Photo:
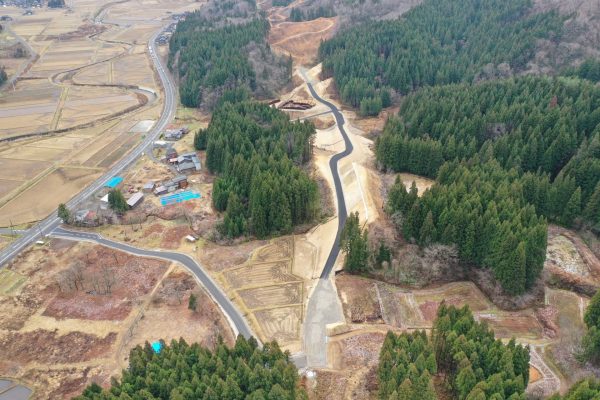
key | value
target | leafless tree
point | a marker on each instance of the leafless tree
(96, 283)
(78, 269)
(108, 280)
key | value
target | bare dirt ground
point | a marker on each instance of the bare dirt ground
(73, 311)
(299, 39)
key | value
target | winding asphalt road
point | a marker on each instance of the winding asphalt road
(236, 320)
(324, 307)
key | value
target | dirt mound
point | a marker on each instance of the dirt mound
(48, 347)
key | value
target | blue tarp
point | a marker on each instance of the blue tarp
(157, 347)
(179, 197)
(113, 182)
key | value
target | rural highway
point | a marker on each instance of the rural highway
(51, 225)
(324, 307)
(47, 225)
(236, 320)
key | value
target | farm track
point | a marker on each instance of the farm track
(65, 79)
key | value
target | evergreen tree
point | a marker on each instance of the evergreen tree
(116, 201)
(592, 209)
(193, 302)
(572, 209)
(354, 244)
(63, 213)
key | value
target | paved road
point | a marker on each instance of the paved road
(324, 307)
(47, 225)
(236, 320)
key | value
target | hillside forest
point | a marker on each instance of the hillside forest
(184, 371)
(211, 57)
(475, 364)
(509, 153)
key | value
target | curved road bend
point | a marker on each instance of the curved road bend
(324, 307)
(236, 320)
(51, 222)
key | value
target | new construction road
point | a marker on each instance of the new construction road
(324, 307)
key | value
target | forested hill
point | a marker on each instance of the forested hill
(258, 153)
(508, 155)
(211, 56)
(438, 42)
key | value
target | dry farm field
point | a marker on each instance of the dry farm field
(63, 92)
(69, 313)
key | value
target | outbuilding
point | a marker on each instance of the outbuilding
(160, 190)
(148, 187)
(135, 199)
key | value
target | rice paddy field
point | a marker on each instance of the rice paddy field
(71, 109)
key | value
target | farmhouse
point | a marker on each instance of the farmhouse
(188, 162)
(175, 134)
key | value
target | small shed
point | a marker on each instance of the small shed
(160, 190)
(135, 199)
(148, 187)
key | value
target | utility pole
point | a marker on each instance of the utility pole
(12, 229)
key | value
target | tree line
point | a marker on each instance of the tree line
(474, 364)
(258, 154)
(435, 43)
(298, 15)
(182, 371)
